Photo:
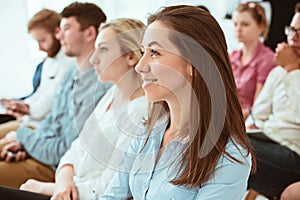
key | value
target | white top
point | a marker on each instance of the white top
(103, 140)
(2, 110)
(41, 101)
(277, 108)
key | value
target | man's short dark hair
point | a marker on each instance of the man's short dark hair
(297, 7)
(87, 14)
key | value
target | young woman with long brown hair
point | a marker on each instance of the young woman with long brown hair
(194, 144)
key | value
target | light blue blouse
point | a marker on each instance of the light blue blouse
(139, 177)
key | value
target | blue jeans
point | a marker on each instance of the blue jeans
(277, 167)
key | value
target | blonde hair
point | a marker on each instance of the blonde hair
(258, 14)
(132, 34)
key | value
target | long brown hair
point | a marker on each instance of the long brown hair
(204, 30)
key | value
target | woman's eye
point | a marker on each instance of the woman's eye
(154, 53)
(245, 24)
(103, 49)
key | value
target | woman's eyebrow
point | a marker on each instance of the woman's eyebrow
(154, 43)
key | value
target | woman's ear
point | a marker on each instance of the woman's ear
(131, 59)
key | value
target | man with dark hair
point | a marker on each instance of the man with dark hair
(39, 151)
(279, 20)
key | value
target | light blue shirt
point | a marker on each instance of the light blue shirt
(140, 178)
(73, 103)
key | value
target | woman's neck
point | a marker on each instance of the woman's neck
(247, 51)
(179, 112)
(249, 48)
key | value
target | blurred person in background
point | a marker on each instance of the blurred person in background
(251, 64)
(28, 153)
(32, 109)
(276, 112)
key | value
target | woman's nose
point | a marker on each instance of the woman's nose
(142, 66)
(93, 59)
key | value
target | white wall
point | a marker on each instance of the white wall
(19, 53)
(17, 66)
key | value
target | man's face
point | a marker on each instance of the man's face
(70, 36)
(46, 41)
(293, 38)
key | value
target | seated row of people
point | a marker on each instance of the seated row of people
(271, 96)
(175, 153)
(118, 115)
(39, 151)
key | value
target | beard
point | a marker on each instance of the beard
(53, 50)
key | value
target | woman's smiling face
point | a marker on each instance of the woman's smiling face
(163, 70)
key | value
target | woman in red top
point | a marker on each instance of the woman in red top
(254, 61)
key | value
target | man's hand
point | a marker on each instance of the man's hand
(17, 108)
(252, 126)
(4, 101)
(286, 57)
(9, 137)
(13, 151)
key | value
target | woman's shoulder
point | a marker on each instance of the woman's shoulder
(265, 50)
(237, 151)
